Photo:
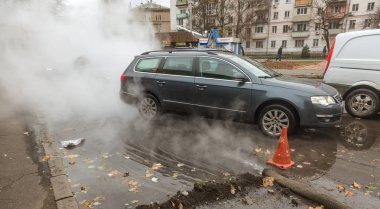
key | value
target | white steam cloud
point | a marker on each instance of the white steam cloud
(65, 58)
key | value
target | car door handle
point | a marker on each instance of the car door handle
(160, 83)
(201, 87)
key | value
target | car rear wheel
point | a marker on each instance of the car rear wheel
(275, 117)
(362, 103)
(149, 107)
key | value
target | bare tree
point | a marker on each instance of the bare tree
(201, 12)
(224, 14)
(376, 18)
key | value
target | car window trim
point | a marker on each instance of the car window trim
(198, 70)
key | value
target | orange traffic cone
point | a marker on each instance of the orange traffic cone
(281, 157)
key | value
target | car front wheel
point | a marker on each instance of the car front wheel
(362, 103)
(149, 107)
(275, 117)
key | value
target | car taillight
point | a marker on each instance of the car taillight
(329, 57)
(123, 78)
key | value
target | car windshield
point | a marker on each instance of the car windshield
(256, 68)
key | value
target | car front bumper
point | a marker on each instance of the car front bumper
(322, 116)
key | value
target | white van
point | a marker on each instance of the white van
(353, 67)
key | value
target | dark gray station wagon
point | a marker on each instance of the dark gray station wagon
(217, 83)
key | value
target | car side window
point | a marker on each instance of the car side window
(148, 65)
(218, 69)
(178, 66)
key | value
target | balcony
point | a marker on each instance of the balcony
(302, 3)
(301, 18)
(182, 16)
(300, 34)
(335, 31)
(182, 3)
(259, 35)
(261, 21)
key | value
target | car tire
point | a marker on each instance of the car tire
(274, 117)
(362, 103)
(149, 107)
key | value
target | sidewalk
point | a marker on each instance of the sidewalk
(317, 74)
(22, 180)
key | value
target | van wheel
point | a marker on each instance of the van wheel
(362, 103)
(149, 107)
(275, 117)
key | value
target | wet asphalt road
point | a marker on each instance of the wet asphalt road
(122, 162)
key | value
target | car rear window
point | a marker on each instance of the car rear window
(178, 66)
(148, 65)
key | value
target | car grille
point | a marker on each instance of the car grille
(338, 98)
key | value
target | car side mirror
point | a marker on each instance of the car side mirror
(241, 78)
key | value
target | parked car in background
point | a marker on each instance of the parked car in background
(218, 83)
(353, 67)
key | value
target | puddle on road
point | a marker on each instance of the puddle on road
(120, 164)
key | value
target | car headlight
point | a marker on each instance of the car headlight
(323, 100)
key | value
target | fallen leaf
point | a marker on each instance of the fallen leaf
(91, 166)
(134, 201)
(72, 156)
(268, 181)
(99, 198)
(185, 193)
(318, 207)
(148, 174)
(72, 162)
(113, 173)
(175, 175)
(299, 166)
(370, 187)
(340, 187)
(96, 203)
(83, 190)
(356, 185)
(133, 189)
(306, 163)
(226, 174)
(180, 164)
(293, 150)
(44, 158)
(156, 166)
(75, 185)
(126, 174)
(26, 133)
(173, 204)
(133, 183)
(193, 170)
(348, 194)
(155, 179)
(258, 150)
(233, 190)
(180, 206)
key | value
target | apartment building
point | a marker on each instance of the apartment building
(291, 23)
(155, 14)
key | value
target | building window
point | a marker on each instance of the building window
(352, 24)
(274, 29)
(317, 26)
(302, 11)
(367, 23)
(259, 29)
(355, 7)
(276, 1)
(371, 6)
(273, 44)
(248, 31)
(284, 43)
(259, 44)
(247, 44)
(334, 25)
(229, 32)
(315, 42)
(288, 1)
(336, 9)
(275, 15)
(285, 28)
(301, 27)
(180, 22)
(299, 43)
(158, 17)
(287, 14)
(182, 11)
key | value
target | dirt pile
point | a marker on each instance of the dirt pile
(207, 192)
(280, 65)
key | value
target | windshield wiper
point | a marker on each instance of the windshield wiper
(266, 76)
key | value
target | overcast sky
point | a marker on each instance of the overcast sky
(162, 2)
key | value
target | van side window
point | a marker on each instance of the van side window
(361, 48)
(215, 68)
(178, 66)
(148, 65)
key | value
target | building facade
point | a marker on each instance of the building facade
(156, 15)
(288, 23)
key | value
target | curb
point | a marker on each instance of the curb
(63, 195)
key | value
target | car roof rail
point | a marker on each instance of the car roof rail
(170, 51)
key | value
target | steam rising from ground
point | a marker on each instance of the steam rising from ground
(65, 58)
